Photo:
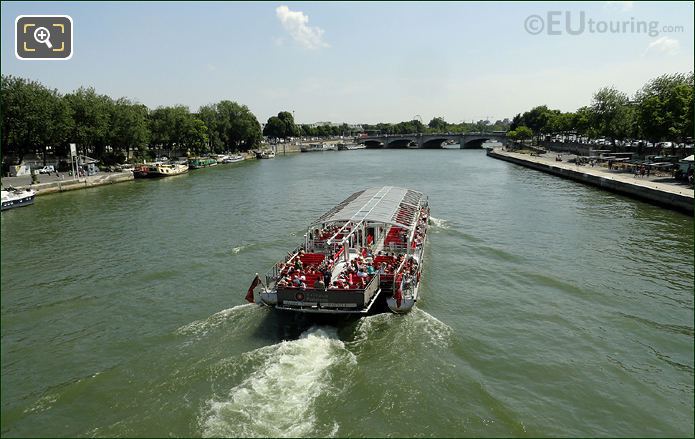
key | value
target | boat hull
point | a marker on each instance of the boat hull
(19, 201)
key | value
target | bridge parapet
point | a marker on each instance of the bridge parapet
(432, 140)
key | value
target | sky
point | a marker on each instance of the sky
(361, 62)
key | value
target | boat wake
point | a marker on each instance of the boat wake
(279, 399)
(418, 326)
(240, 248)
(240, 316)
(439, 223)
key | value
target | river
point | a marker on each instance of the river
(548, 308)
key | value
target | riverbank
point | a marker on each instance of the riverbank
(57, 184)
(673, 196)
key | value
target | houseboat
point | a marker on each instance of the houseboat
(363, 256)
(157, 170)
(201, 162)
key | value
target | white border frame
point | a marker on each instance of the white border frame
(72, 34)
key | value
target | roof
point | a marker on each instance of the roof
(389, 204)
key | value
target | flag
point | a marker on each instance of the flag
(254, 284)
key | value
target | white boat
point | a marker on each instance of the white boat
(12, 197)
(268, 154)
(350, 146)
(233, 159)
(313, 147)
(363, 256)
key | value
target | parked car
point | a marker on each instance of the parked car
(47, 169)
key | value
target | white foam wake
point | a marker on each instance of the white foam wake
(440, 223)
(236, 314)
(277, 400)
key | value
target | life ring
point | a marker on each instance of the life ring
(299, 296)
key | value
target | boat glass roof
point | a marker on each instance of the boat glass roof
(389, 205)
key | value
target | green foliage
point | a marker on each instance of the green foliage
(665, 108)
(36, 119)
(612, 115)
(91, 114)
(33, 117)
(275, 127)
(438, 124)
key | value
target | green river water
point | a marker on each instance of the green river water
(548, 308)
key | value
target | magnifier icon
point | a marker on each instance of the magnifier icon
(42, 36)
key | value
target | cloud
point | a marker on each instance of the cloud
(296, 23)
(622, 6)
(666, 45)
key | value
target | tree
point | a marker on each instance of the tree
(238, 127)
(34, 118)
(438, 124)
(291, 130)
(208, 114)
(521, 133)
(91, 115)
(665, 108)
(129, 127)
(275, 127)
(612, 115)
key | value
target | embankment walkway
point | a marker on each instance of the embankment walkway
(674, 196)
(61, 185)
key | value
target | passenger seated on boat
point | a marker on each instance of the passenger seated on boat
(361, 273)
(298, 264)
(319, 284)
(370, 269)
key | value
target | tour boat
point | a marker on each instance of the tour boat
(13, 197)
(363, 256)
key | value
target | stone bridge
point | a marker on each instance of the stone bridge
(432, 141)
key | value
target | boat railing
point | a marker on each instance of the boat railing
(337, 297)
(273, 275)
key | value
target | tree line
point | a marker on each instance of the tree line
(36, 119)
(662, 110)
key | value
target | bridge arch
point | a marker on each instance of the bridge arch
(477, 142)
(435, 143)
(373, 144)
(401, 143)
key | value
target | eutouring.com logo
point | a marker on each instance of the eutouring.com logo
(573, 23)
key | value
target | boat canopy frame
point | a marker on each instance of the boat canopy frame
(390, 205)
